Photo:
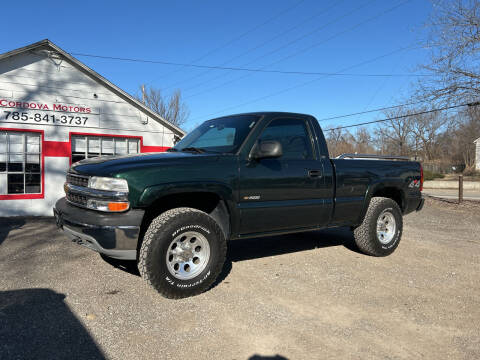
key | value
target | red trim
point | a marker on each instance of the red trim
(56, 148)
(28, 196)
(146, 148)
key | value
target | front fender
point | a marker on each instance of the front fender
(153, 193)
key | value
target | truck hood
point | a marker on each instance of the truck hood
(112, 165)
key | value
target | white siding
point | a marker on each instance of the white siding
(37, 77)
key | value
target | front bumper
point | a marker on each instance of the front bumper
(115, 235)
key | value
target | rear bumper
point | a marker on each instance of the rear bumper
(420, 206)
(115, 235)
(414, 203)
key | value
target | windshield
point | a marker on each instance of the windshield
(223, 135)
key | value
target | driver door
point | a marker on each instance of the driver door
(282, 193)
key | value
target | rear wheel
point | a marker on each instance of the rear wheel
(182, 253)
(381, 229)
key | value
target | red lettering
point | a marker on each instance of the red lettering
(76, 109)
(87, 110)
(57, 107)
(45, 107)
(32, 105)
(18, 104)
(3, 102)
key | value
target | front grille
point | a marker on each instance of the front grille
(77, 199)
(77, 180)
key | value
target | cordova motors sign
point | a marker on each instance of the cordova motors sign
(40, 113)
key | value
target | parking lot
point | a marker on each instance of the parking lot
(304, 296)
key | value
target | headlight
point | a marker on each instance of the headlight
(109, 184)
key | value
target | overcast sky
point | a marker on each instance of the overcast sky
(288, 35)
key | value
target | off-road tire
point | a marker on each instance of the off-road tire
(152, 262)
(366, 234)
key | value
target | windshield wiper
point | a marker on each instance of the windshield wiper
(194, 149)
(172, 150)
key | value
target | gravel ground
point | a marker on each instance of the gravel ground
(306, 296)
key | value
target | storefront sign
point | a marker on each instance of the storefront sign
(57, 114)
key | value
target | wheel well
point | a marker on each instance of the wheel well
(393, 193)
(207, 202)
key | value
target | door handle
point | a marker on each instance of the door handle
(315, 173)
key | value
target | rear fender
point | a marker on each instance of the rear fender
(377, 188)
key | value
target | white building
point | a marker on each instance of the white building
(477, 154)
(54, 110)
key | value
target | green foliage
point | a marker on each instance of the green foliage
(430, 175)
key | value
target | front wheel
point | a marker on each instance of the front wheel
(381, 229)
(182, 253)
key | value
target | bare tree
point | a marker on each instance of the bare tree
(395, 136)
(454, 43)
(426, 129)
(171, 108)
(339, 141)
(363, 141)
(465, 130)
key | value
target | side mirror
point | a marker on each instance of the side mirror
(268, 149)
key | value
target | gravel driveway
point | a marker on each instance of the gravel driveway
(306, 296)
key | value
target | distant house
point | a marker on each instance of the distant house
(477, 154)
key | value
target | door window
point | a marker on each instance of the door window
(293, 135)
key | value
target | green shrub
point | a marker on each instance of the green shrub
(430, 175)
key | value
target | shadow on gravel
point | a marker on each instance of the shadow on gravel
(37, 324)
(255, 248)
(129, 266)
(274, 357)
(9, 224)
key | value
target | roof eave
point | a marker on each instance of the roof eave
(97, 77)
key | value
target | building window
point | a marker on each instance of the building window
(93, 146)
(20, 163)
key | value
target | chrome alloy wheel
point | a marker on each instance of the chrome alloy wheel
(188, 255)
(386, 227)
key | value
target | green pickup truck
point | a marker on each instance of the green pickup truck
(234, 177)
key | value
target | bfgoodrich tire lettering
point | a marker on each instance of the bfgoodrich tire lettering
(368, 235)
(157, 243)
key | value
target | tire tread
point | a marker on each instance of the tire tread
(363, 234)
(144, 260)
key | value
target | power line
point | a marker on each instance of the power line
(308, 47)
(241, 35)
(283, 33)
(306, 82)
(372, 110)
(296, 53)
(290, 72)
(404, 116)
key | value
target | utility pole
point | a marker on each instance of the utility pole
(460, 189)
